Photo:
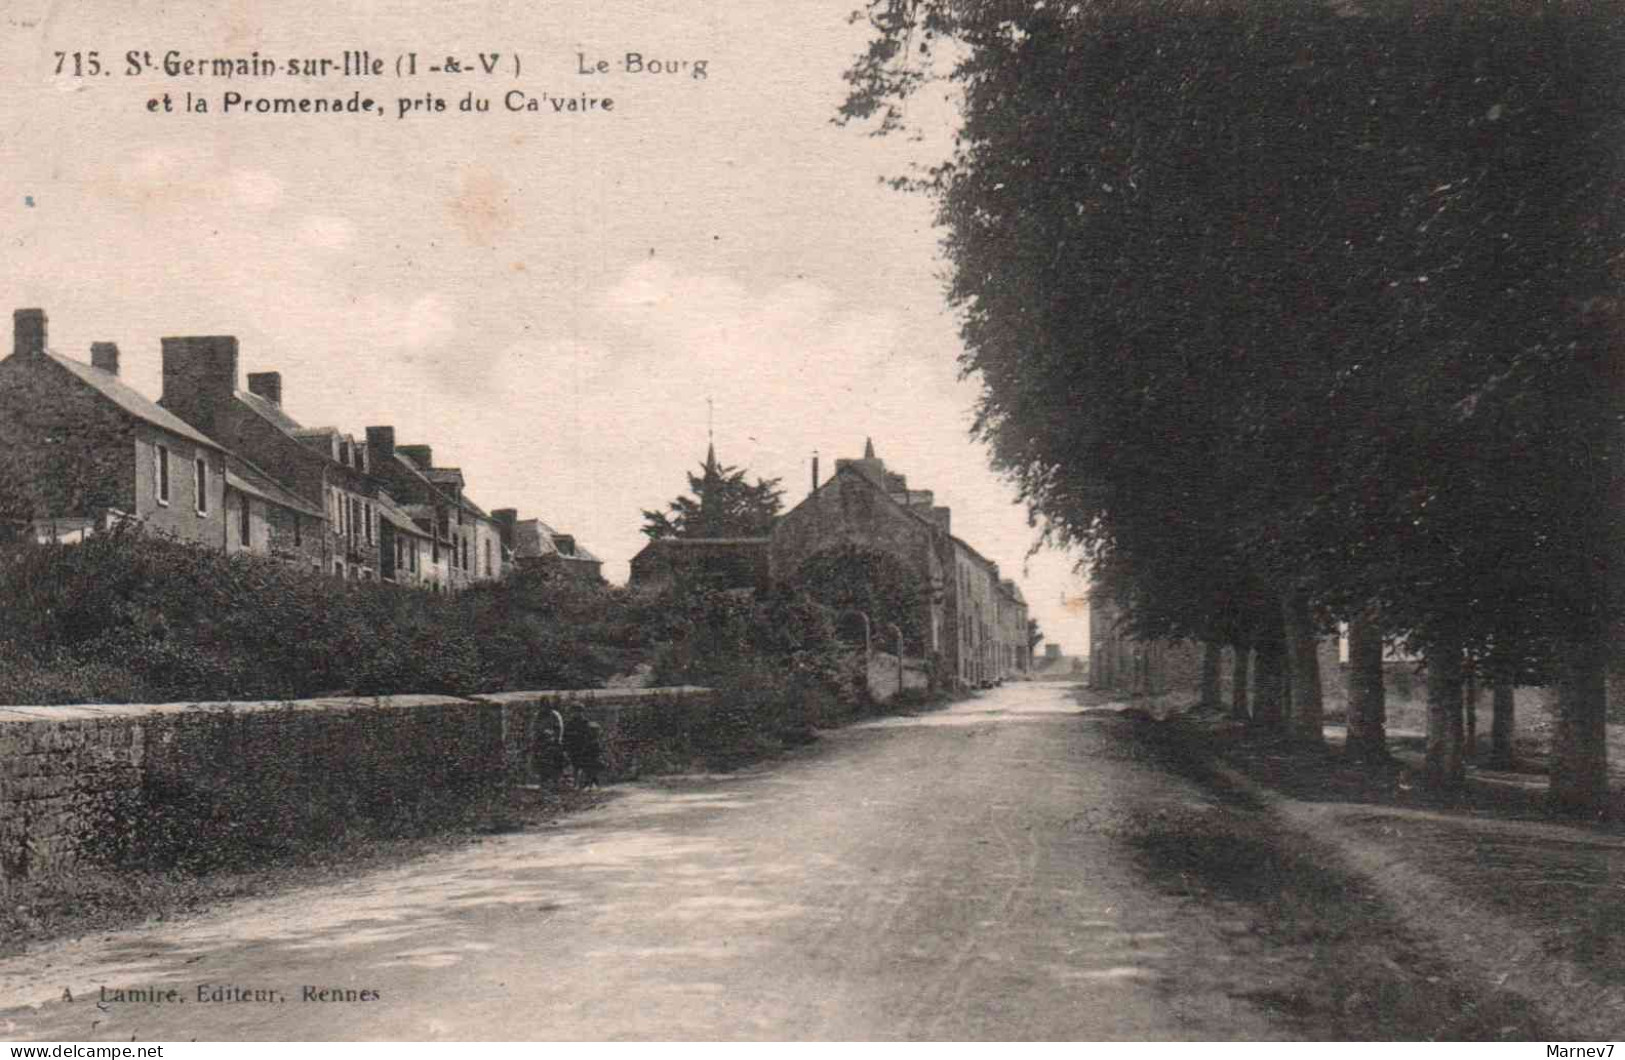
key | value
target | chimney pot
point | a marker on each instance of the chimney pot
(267, 385)
(104, 355)
(28, 332)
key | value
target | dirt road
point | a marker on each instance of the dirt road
(955, 875)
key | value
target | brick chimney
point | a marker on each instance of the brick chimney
(200, 378)
(506, 519)
(267, 385)
(381, 444)
(104, 355)
(28, 332)
(421, 455)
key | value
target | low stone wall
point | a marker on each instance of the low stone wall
(883, 683)
(69, 774)
(637, 724)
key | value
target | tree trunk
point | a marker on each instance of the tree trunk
(1445, 769)
(1303, 661)
(1501, 717)
(1211, 655)
(1469, 706)
(1238, 683)
(1368, 697)
(1579, 749)
(1269, 703)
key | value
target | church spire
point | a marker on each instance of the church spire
(710, 439)
(868, 448)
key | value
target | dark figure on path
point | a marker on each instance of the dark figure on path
(548, 754)
(583, 742)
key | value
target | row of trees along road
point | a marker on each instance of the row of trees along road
(1293, 313)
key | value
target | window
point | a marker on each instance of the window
(200, 482)
(298, 534)
(246, 529)
(161, 474)
(366, 515)
(487, 557)
(465, 553)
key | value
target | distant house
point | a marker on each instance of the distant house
(974, 621)
(535, 545)
(466, 542)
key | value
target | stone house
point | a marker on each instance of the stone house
(405, 548)
(533, 544)
(969, 614)
(465, 543)
(88, 451)
(323, 469)
(1010, 629)
(264, 518)
(418, 540)
(974, 623)
(78, 422)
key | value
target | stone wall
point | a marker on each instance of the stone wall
(286, 769)
(883, 683)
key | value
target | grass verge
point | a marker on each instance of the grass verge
(1461, 917)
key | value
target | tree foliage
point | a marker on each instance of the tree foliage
(1310, 306)
(722, 502)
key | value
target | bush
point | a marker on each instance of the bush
(778, 655)
(134, 617)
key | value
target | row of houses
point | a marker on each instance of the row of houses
(226, 467)
(973, 620)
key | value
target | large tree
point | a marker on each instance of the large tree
(1321, 296)
(722, 503)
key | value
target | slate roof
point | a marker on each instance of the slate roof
(246, 478)
(269, 410)
(534, 538)
(398, 516)
(133, 402)
(582, 554)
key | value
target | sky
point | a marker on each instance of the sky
(552, 300)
